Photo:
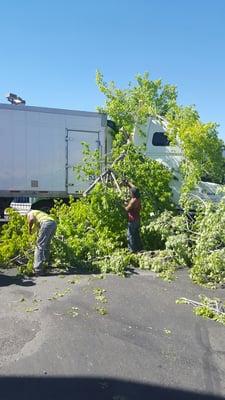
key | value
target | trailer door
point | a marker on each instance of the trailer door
(75, 156)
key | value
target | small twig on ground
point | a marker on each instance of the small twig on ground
(214, 305)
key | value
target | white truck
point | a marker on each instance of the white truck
(158, 147)
(39, 148)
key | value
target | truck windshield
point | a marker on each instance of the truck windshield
(160, 139)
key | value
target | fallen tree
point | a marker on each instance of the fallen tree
(91, 232)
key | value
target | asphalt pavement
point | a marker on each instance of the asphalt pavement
(106, 337)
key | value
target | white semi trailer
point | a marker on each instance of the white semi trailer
(39, 148)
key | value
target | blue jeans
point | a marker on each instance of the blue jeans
(133, 236)
(41, 254)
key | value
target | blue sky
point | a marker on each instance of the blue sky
(51, 49)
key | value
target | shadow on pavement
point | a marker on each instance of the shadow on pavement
(6, 280)
(82, 388)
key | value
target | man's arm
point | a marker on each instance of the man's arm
(31, 221)
(130, 205)
(130, 184)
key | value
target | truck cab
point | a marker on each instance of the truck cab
(158, 147)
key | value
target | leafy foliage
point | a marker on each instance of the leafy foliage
(161, 262)
(89, 228)
(118, 262)
(196, 242)
(16, 242)
(91, 163)
(93, 229)
(201, 147)
(174, 231)
(208, 255)
(149, 175)
(133, 105)
(207, 308)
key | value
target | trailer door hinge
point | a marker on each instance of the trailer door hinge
(69, 166)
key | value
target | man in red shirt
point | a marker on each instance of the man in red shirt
(133, 230)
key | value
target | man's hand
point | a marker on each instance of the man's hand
(124, 182)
